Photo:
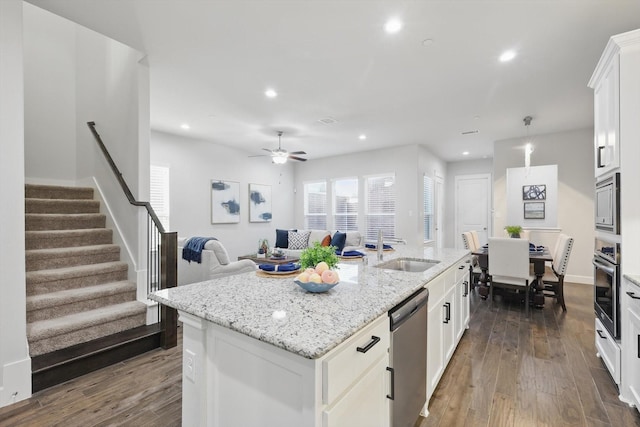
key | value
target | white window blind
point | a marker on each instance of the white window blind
(315, 205)
(345, 204)
(380, 206)
(159, 193)
(428, 208)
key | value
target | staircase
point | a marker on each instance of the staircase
(80, 306)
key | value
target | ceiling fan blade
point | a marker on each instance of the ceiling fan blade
(297, 152)
(297, 158)
(259, 155)
(266, 149)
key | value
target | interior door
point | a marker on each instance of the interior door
(439, 208)
(472, 206)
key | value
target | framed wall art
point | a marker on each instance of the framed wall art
(534, 192)
(533, 210)
(259, 203)
(225, 202)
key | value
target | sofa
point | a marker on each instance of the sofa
(215, 264)
(293, 242)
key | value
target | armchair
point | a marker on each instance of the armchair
(215, 264)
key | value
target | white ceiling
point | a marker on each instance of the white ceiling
(211, 62)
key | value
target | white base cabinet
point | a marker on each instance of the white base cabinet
(632, 345)
(447, 319)
(230, 379)
(608, 350)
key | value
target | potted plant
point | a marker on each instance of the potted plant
(514, 231)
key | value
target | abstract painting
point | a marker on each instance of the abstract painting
(259, 203)
(534, 192)
(225, 202)
(534, 210)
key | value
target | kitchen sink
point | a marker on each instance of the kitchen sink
(415, 265)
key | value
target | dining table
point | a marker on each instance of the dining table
(537, 258)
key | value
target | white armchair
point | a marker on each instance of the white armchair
(509, 266)
(215, 264)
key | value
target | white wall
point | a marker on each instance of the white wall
(194, 163)
(15, 364)
(466, 167)
(74, 75)
(572, 151)
(408, 164)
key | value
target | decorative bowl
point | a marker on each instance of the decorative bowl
(315, 287)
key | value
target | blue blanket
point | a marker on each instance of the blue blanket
(192, 251)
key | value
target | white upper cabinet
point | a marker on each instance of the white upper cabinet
(606, 126)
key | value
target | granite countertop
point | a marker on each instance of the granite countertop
(277, 311)
(633, 278)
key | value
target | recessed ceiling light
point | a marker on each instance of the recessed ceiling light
(465, 153)
(393, 25)
(362, 137)
(185, 126)
(507, 56)
(270, 93)
(427, 42)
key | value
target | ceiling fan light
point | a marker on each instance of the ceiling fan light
(280, 160)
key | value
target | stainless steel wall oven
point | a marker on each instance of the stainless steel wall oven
(606, 275)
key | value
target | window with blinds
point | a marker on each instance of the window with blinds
(380, 206)
(159, 193)
(345, 204)
(428, 208)
(315, 205)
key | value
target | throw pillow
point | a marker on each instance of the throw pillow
(282, 238)
(326, 241)
(338, 240)
(299, 239)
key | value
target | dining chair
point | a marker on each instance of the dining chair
(476, 239)
(553, 278)
(509, 266)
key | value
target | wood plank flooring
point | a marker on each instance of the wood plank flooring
(507, 371)
(543, 371)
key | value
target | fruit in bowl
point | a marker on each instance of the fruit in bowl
(320, 274)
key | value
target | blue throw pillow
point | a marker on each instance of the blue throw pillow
(282, 238)
(338, 240)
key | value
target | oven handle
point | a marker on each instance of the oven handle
(604, 267)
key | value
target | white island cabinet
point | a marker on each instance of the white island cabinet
(261, 351)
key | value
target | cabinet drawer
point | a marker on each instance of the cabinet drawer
(608, 350)
(352, 358)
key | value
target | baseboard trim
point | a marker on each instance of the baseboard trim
(63, 365)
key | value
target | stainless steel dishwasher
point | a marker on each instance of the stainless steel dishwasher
(408, 359)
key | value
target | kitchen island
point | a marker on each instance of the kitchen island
(262, 351)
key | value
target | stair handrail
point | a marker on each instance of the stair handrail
(123, 183)
(166, 272)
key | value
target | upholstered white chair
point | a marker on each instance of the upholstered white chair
(215, 264)
(553, 278)
(509, 266)
(476, 239)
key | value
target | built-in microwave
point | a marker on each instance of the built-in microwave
(607, 204)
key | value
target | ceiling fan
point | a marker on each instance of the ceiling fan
(280, 155)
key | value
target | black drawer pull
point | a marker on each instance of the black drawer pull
(393, 392)
(447, 305)
(461, 267)
(638, 346)
(632, 295)
(374, 341)
(466, 288)
(604, 337)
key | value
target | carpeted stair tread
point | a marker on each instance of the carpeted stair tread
(62, 206)
(64, 221)
(44, 259)
(36, 191)
(58, 279)
(49, 335)
(45, 239)
(62, 303)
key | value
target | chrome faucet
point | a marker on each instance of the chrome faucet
(380, 245)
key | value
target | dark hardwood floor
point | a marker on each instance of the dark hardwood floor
(543, 371)
(507, 371)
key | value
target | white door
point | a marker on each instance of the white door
(472, 206)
